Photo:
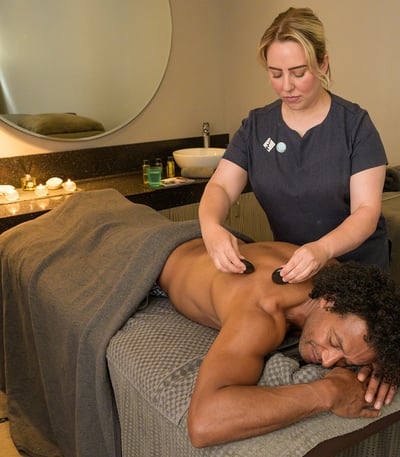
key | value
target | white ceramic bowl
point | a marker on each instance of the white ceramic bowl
(54, 183)
(198, 157)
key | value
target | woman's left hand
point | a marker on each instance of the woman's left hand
(305, 262)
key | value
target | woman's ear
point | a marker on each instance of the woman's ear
(325, 64)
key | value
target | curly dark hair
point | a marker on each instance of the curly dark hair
(371, 294)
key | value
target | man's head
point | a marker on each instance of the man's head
(360, 313)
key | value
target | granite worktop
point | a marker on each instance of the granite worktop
(128, 184)
(116, 167)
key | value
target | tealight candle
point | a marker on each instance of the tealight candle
(41, 190)
(12, 195)
(69, 186)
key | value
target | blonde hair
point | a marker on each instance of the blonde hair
(302, 26)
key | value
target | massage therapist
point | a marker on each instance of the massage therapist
(315, 162)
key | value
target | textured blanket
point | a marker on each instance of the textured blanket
(70, 279)
(160, 352)
(154, 361)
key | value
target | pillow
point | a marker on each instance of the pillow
(54, 123)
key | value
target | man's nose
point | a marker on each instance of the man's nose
(330, 357)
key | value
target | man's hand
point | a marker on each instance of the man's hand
(348, 396)
(378, 392)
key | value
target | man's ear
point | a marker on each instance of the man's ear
(325, 304)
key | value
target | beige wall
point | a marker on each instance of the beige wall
(364, 51)
(213, 74)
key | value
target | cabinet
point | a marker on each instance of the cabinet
(245, 216)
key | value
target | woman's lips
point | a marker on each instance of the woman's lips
(292, 99)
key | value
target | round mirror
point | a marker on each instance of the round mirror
(80, 68)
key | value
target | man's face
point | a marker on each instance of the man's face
(331, 339)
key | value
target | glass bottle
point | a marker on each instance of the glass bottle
(159, 164)
(170, 167)
(145, 167)
(28, 182)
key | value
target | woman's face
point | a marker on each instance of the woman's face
(290, 76)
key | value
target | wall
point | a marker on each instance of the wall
(213, 73)
(363, 46)
(190, 92)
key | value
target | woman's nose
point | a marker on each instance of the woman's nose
(288, 84)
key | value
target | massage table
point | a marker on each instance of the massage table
(94, 366)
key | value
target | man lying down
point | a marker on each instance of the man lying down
(348, 316)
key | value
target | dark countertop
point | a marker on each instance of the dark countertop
(118, 167)
(129, 184)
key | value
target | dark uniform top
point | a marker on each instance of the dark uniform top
(303, 183)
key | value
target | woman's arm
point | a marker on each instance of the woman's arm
(366, 203)
(220, 194)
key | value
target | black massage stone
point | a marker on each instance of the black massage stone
(249, 266)
(277, 278)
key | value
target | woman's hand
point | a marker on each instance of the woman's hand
(222, 190)
(223, 248)
(305, 262)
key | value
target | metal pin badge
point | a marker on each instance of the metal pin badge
(281, 147)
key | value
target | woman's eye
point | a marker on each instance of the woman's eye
(276, 75)
(299, 74)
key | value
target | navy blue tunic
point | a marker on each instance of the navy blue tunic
(303, 183)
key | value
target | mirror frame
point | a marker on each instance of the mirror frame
(148, 55)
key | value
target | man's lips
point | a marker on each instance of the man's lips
(314, 358)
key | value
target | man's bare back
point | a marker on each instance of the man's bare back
(253, 315)
(202, 293)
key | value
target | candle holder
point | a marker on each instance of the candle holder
(41, 190)
(69, 186)
(28, 183)
(12, 195)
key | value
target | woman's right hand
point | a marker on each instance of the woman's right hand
(222, 190)
(223, 249)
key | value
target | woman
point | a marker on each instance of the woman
(315, 162)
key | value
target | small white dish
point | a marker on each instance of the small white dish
(54, 183)
(4, 188)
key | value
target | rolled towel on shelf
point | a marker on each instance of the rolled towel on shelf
(392, 179)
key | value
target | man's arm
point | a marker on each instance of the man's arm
(227, 405)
